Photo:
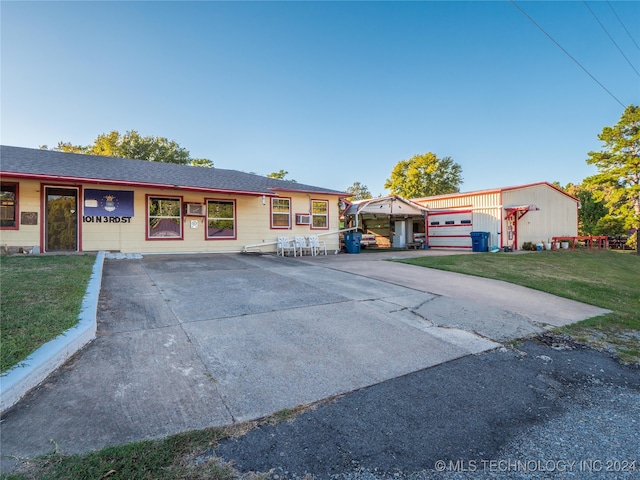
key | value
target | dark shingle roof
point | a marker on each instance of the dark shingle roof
(90, 168)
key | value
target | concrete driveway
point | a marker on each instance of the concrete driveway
(193, 341)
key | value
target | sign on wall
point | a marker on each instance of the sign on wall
(28, 218)
(108, 203)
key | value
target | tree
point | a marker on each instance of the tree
(609, 225)
(618, 164)
(201, 162)
(424, 176)
(591, 211)
(280, 175)
(132, 145)
(358, 191)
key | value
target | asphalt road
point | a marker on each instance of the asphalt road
(473, 417)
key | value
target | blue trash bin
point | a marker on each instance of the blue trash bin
(352, 242)
(480, 241)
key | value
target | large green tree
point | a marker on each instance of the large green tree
(424, 176)
(618, 164)
(591, 210)
(358, 191)
(133, 145)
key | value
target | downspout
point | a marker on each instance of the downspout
(515, 232)
(502, 222)
(426, 229)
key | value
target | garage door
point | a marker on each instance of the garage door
(449, 228)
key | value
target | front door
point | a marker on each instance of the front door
(61, 210)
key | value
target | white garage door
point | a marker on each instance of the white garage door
(449, 228)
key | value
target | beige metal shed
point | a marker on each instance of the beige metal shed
(534, 213)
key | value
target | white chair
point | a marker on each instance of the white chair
(316, 244)
(285, 246)
(301, 245)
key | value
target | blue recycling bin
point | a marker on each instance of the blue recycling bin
(480, 241)
(352, 242)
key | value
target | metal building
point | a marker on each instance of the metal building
(511, 215)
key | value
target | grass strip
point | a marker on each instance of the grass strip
(169, 458)
(40, 297)
(185, 455)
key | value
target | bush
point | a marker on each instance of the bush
(609, 225)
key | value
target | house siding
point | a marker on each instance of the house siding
(252, 221)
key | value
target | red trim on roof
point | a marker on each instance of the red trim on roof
(454, 195)
(518, 187)
(315, 192)
(94, 181)
(493, 190)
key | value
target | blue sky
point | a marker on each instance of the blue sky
(332, 92)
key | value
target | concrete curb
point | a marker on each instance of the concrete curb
(15, 383)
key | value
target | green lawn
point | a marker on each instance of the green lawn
(607, 279)
(40, 297)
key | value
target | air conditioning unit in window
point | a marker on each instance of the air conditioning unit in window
(303, 219)
(195, 209)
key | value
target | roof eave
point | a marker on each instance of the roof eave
(492, 190)
(316, 192)
(163, 186)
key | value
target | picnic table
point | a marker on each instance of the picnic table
(599, 241)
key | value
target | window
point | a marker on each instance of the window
(8, 205)
(221, 222)
(164, 217)
(280, 212)
(319, 214)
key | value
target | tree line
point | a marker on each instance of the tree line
(610, 199)
(134, 146)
